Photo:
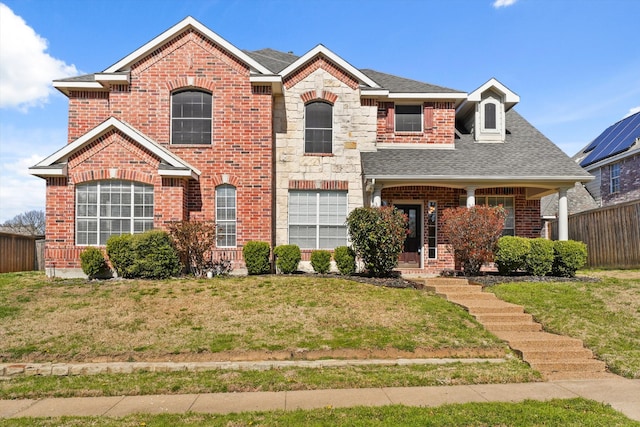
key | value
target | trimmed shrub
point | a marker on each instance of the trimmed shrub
(378, 236)
(539, 261)
(93, 263)
(121, 254)
(148, 255)
(345, 259)
(569, 256)
(155, 256)
(193, 240)
(473, 234)
(256, 257)
(511, 253)
(321, 261)
(287, 258)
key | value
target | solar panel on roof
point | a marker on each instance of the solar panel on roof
(617, 138)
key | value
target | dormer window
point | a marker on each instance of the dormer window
(408, 118)
(490, 116)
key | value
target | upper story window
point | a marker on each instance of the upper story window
(408, 118)
(490, 116)
(614, 179)
(111, 208)
(191, 113)
(318, 128)
(226, 215)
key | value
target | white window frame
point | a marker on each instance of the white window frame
(614, 178)
(432, 204)
(395, 118)
(98, 212)
(339, 223)
(230, 214)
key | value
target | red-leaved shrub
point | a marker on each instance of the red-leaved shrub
(473, 234)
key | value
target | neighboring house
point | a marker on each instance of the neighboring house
(280, 148)
(613, 158)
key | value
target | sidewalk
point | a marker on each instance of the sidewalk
(622, 394)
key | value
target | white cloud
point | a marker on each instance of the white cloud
(633, 111)
(503, 3)
(26, 70)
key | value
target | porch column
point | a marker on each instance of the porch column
(471, 196)
(376, 197)
(563, 214)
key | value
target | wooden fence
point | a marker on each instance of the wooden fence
(21, 253)
(612, 235)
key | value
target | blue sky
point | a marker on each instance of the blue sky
(574, 63)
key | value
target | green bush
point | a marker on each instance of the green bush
(321, 261)
(156, 257)
(569, 256)
(121, 254)
(287, 258)
(345, 259)
(378, 236)
(256, 257)
(93, 263)
(539, 261)
(148, 255)
(511, 253)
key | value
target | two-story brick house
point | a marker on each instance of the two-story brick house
(280, 148)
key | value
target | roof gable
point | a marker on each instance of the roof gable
(184, 25)
(322, 50)
(171, 164)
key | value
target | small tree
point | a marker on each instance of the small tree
(193, 240)
(377, 236)
(473, 234)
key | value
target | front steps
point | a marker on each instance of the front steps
(554, 356)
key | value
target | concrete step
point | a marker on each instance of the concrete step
(581, 366)
(548, 354)
(512, 326)
(490, 307)
(445, 289)
(445, 281)
(528, 340)
(469, 298)
(503, 317)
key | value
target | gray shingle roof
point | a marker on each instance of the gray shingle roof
(526, 153)
(274, 60)
(402, 85)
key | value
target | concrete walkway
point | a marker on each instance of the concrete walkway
(622, 394)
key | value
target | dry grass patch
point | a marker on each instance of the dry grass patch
(75, 320)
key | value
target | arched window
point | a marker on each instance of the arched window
(318, 127)
(111, 208)
(226, 215)
(191, 117)
(490, 115)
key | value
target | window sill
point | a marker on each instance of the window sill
(319, 154)
(192, 145)
(401, 133)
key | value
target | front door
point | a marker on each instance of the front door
(410, 256)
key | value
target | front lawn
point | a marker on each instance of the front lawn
(604, 314)
(242, 318)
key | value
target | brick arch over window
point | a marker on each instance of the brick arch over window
(219, 179)
(194, 83)
(324, 96)
(112, 173)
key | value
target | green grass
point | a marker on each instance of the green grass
(571, 412)
(222, 381)
(604, 314)
(136, 319)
